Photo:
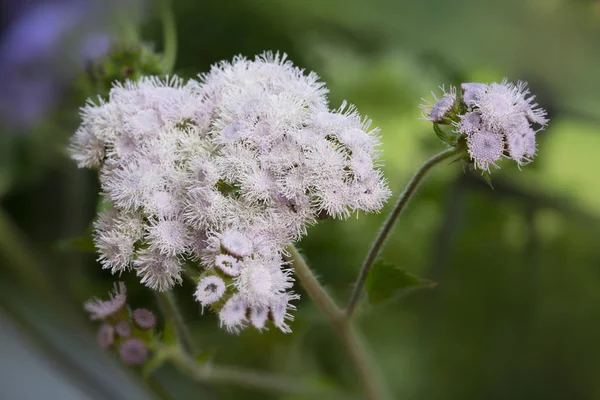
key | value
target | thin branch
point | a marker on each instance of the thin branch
(169, 308)
(213, 374)
(386, 229)
(314, 289)
(169, 36)
(344, 329)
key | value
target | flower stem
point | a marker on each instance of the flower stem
(209, 373)
(343, 327)
(386, 228)
(168, 305)
(169, 36)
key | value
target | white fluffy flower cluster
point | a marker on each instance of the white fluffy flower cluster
(226, 170)
(496, 120)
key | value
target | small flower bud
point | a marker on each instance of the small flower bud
(443, 109)
(144, 319)
(106, 336)
(123, 329)
(104, 309)
(133, 352)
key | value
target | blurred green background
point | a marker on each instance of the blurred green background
(516, 312)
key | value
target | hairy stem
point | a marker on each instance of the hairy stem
(209, 373)
(169, 36)
(168, 305)
(386, 228)
(343, 327)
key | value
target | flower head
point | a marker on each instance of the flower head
(210, 290)
(100, 309)
(227, 170)
(143, 318)
(133, 352)
(491, 121)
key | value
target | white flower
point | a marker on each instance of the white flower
(168, 237)
(86, 148)
(227, 264)
(236, 244)
(279, 312)
(233, 314)
(261, 280)
(226, 170)
(259, 316)
(158, 271)
(209, 290)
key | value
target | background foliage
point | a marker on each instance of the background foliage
(515, 314)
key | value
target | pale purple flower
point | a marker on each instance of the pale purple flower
(144, 319)
(105, 336)
(133, 352)
(441, 109)
(485, 149)
(123, 329)
(101, 309)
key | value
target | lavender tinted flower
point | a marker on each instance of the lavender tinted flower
(442, 108)
(133, 352)
(123, 329)
(494, 121)
(144, 319)
(100, 310)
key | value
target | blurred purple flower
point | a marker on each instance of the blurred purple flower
(43, 46)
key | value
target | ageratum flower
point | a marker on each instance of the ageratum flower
(100, 309)
(496, 120)
(225, 172)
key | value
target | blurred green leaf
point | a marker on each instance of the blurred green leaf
(155, 362)
(80, 243)
(387, 281)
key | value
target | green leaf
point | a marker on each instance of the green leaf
(487, 178)
(440, 133)
(81, 243)
(386, 281)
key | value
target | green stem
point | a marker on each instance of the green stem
(343, 327)
(169, 36)
(208, 373)
(386, 228)
(168, 305)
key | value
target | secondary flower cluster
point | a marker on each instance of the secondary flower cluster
(226, 170)
(121, 328)
(495, 119)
